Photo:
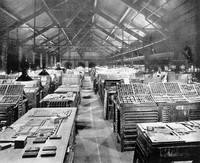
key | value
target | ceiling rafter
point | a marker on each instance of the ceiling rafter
(111, 35)
(60, 41)
(82, 28)
(54, 48)
(67, 22)
(50, 39)
(38, 33)
(108, 42)
(104, 46)
(136, 7)
(119, 22)
(96, 47)
(102, 52)
(83, 37)
(9, 14)
(65, 1)
(21, 22)
(104, 49)
(14, 17)
(54, 19)
(86, 33)
(86, 45)
(87, 38)
(119, 25)
(152, 9)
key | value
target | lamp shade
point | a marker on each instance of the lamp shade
(43, 72)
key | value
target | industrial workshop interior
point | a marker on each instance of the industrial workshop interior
(99, 81)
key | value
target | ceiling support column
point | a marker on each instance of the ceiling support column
(51, 60)
(197, 55)
(20, 53)
(47, 59)
(4, 55)
(86, 64)
(55, 60)
(41, 60)
(34, 57)
(122, 57)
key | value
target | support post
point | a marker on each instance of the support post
(40, 60)
(4, 55)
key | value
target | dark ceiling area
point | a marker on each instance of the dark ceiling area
(109, 27)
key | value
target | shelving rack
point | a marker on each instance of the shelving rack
(13, 102)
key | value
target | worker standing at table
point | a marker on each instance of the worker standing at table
(162, 74)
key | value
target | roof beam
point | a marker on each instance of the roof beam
(67, 22)
(9, 14)
(96, 45)
(87, 45)
(119, 25)
(83, 37)
(102, 51)
(108, 42)
(54, 19)
(111, 35)
(146, 13)
(88, 38)
(105, 47)
(50, 39)
(120, 21)
(95, 3)
(38, 33)
(14, 17)
(82, 28)
(21, 22)
(65, 1)
(60, 41)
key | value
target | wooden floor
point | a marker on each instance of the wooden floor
(95, 141)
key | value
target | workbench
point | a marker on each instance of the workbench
(70, 88)
(59, 100)
(168, 142)
(36, 123)
(67, 88)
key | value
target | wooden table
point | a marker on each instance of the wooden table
(168, 142)
(64, 145)
(70, 88)
(59, 100)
